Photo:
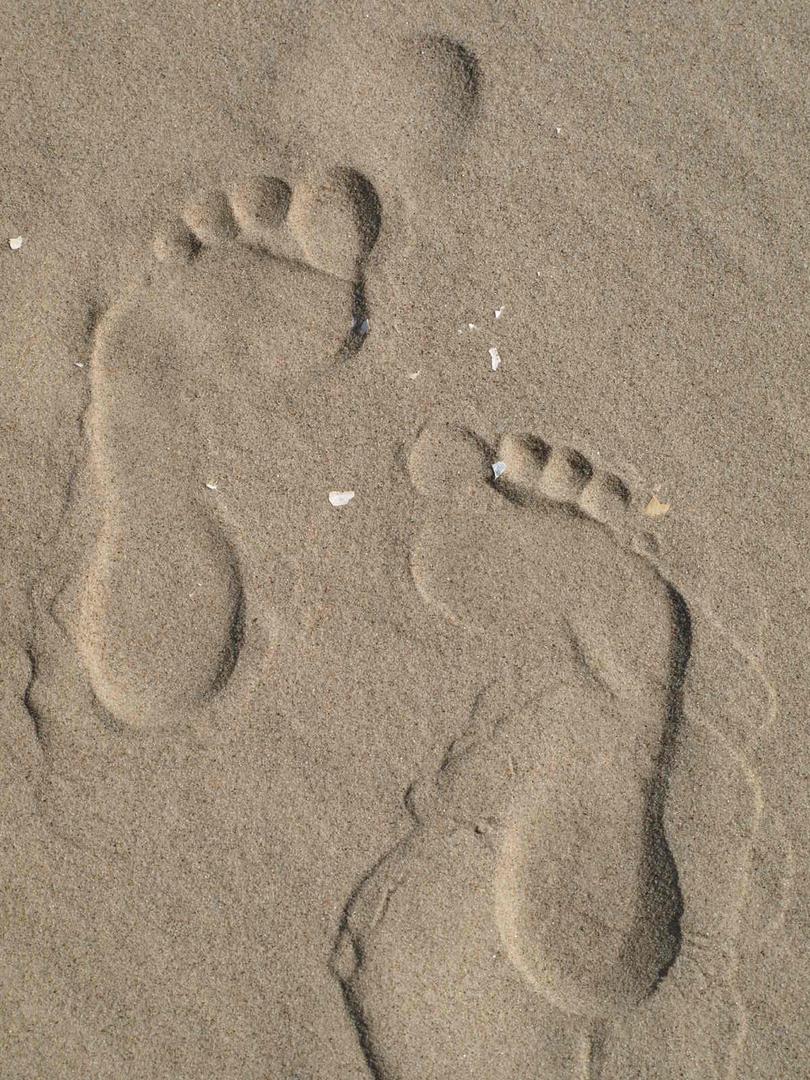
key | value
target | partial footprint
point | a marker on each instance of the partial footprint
(414, 106)
(255, 293)
(426, 983)
(447, 81)
(616, 820)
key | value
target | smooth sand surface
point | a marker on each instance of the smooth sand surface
(497, 767)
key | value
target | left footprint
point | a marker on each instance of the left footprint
(253, 293)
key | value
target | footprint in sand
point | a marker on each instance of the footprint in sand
(569, 900)
(253, 294)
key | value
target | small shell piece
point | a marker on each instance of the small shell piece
(655, 508)
(340, 498)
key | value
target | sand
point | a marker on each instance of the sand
(376, 704)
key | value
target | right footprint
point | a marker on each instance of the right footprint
(611, 815)
(253, 293)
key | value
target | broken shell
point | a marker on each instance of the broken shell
(655, 508)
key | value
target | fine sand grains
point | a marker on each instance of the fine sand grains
(601, 818)
(404, 542)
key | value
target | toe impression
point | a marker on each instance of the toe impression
(336, 220)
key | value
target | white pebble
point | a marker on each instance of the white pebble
(498, 468)
(15, 243)
(471, 326)
(340, 498)
(211, 487)
(495, 358)
(78, 363)
(414, 374)
(498, 312)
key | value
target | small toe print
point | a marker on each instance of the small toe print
(260, 203)
(211, 218)
(564, 475)
(606, 498)
(524, 457)
(177, 243)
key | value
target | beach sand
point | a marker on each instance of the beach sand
(405, 576)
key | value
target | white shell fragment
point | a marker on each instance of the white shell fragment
(15, 243)
(471, 326)
(498, 312)
(340, 498)
(361, 327)
(495, 358)
(414, 374)
(212, 487)
(78, 363)
(498, 468)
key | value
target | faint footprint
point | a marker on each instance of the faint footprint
(612, 817)
(445, 77)
(254, 294)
